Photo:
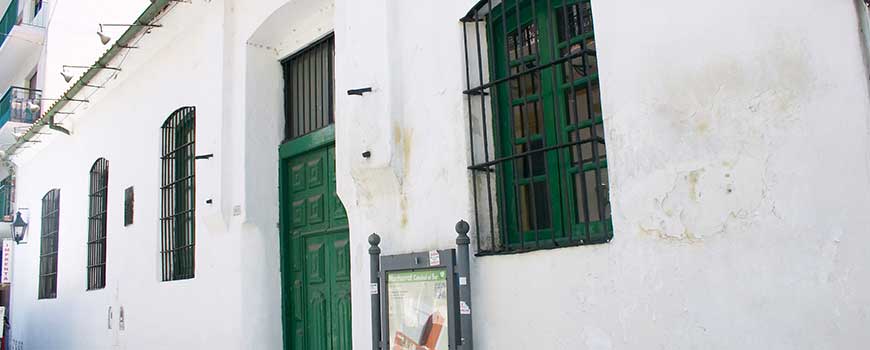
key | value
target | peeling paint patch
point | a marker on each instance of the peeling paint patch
(718, 198)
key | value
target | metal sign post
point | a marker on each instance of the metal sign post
(422, 300)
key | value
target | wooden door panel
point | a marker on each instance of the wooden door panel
(341, 249)
(319, 314)
(342, 325)
(316, 320)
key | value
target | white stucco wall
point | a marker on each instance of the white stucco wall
(259, 38)
(122, 124)
(224, 58)
(71, 33)
(737, 138)
(737, 143)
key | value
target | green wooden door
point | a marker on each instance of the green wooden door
(315, 252)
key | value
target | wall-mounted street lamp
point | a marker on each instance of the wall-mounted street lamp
(19, 229)
(105, 39)
(68, 77)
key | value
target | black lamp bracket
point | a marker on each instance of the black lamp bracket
(359, 92)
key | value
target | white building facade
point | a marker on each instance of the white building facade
(677, 175)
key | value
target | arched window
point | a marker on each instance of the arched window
(539, 159)
(98, 200)
(177, 195)
(48, 245)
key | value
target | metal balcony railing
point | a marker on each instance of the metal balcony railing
(22, 12)
(33, 14)
(19, 105)
(10, 19)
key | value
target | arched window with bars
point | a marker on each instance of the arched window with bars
(178, 195)
(98, 206)
(48, 244)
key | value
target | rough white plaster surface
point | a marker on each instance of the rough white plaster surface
(122, 123)
(737, 145)
(737, 138)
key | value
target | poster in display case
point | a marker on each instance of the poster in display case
(422, 301)
(419, 294)
(417, 304)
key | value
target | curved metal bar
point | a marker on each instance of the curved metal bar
(480, 10)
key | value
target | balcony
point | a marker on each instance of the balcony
(22, 33)
(19, 106)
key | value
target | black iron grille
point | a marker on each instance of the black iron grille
(539, 168)
(98, 203)
(178, 195)
(308, 89)
(48, 245)
(7, 196)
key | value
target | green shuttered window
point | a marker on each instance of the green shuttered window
(540, 169)
(48, 245)
(178, 195)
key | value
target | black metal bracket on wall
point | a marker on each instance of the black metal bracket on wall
(359, 92)
(457, 265)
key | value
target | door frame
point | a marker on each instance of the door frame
(289, 149)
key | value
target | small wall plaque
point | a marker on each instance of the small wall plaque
(121, 324)
(128, 206)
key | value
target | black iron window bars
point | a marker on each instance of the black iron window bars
(48, 245)
(98, 204)
(308, 89)
(539, 168)
(7, 197)
(178, 195)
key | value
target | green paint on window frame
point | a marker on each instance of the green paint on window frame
(556, 195)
